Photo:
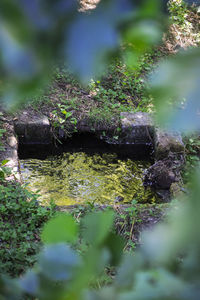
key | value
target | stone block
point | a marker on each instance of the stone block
(137, 128)
(35, 130)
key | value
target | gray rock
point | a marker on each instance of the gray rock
(164, 172)
(119, 199)
(33, 130)
(165, 195)
(10, 153)
(168, 142)
(137, 128)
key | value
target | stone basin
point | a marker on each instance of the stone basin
(138, 135)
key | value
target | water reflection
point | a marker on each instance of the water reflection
(79, 178)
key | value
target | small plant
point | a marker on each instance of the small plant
(2, 131)
(62, 118)
(125, 222)
(4, 171)
(178, 11)
(192, 157)
(185, 27)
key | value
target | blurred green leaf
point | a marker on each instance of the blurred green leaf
(2, 173)
(127, 270)
(175, 87)
(115, 244)
(58, 262)
(4, 162)
(96, 227)
(29, 283)
(62, 228)
(106, 293)
(87, 34)
(90, 41)
(143, 35)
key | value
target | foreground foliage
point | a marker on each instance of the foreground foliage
(21, 219)
(166, 267)
(168, 264)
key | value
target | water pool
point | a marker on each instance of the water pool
(79, 177)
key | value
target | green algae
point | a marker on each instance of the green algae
(77, 178)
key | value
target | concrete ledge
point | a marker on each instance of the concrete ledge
(137, 128)
(33, 130)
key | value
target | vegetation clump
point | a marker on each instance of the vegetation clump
(21, 220)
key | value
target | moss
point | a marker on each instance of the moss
(81, 178)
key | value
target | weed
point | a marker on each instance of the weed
(184, 31)
(2, 131)
(61, 118)
(4, 171)
(178, 12)
(192, 156)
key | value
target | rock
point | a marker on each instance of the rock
(176, 190)
(168, 142)
(164, 172)
(119, 199)
(137, 128)
(165, 195)
(11, 156)
(12, 141)
(33, 130)
(160, 176)
(10, 152)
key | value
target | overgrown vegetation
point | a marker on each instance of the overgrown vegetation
(129, 220)
(2, 131)
(21, 220)
(192, 157)
(184, 31)
(100, 103)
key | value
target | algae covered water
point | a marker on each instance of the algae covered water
(77, 178)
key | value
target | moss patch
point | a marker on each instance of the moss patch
(80, 178)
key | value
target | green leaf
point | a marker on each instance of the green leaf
(58, 262)
(62, 228)
(126, 273)
(96, 226)
(68, 114)
(2, 174)
(175, 88)
(4, 162)
(115, 244)
(29, 282)
(63, 112)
